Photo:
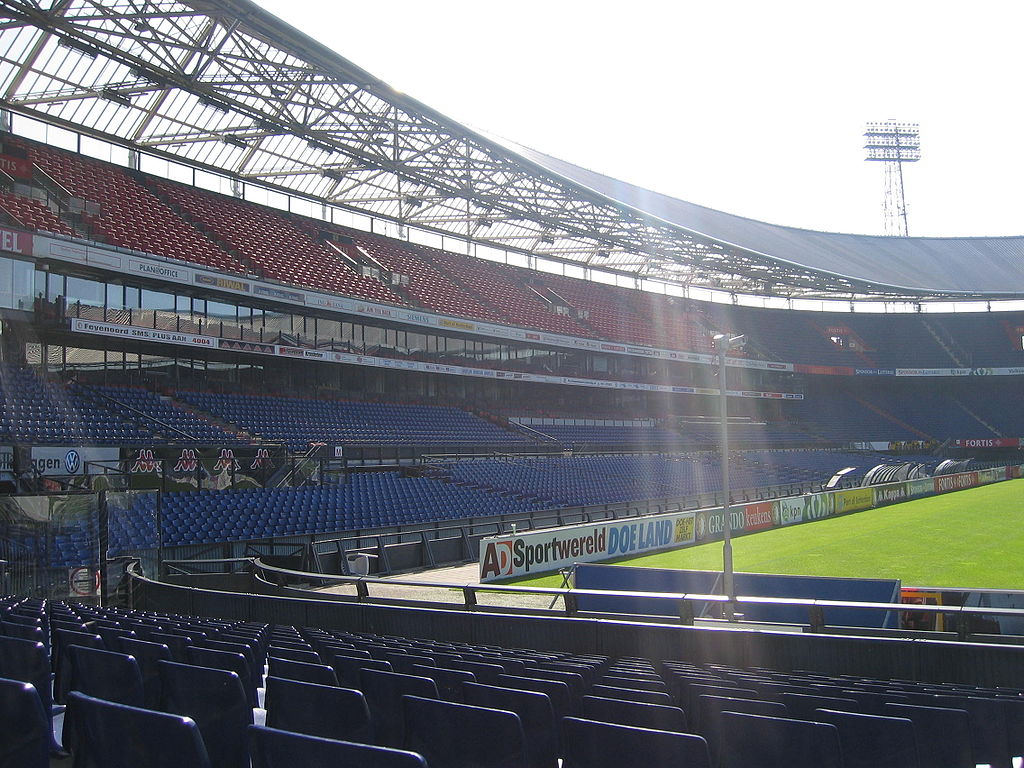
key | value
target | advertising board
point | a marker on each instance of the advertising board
(853, 499)
(507, 556)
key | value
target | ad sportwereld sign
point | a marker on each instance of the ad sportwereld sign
(503, 557)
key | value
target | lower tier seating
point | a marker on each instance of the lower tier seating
(142, 686)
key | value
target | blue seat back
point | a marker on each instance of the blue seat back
(384, 692)
(147, 654)
(540, 728)
(28, 662)
(317, 710)
(632, 694)
(943, 735)
(24, 726)
(321, 674)
(777, 742)
(449, 682)
(106, 675)
(451, 735)
(215, 699)
(272, 748)
(873, 741)
(592, 744)
(230, 661)
(557, 692)
(119, 736)
(346, 668)
(802, 706)
(990, 739)
(64, 639)
(656, 716)
(706, 718)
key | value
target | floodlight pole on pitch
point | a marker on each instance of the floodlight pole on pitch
(724, 342)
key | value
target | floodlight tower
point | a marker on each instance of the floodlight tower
(894, 144)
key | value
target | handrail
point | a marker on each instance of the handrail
(569, 596)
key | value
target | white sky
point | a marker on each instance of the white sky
(755, 108)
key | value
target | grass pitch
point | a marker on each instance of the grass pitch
(971, 539)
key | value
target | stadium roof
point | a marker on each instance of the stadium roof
(228, 87)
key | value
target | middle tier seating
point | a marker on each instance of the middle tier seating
(298, 422)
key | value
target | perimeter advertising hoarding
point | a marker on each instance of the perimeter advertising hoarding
(711, 522)
(790, 511)
(800, 509)
(64, 460)
(186, 468)
(891, 493)
(853, 500)
(946, 483)
(920, 487)
(758, 517)
(503, 557)
(744, 518)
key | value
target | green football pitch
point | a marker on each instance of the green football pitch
(972, 538)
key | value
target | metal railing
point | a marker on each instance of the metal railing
(689, 606)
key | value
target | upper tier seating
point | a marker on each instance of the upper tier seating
(32, 214)
(428, 287)
(240, 237)
(279, 246)
(502, 287)
(130, 216)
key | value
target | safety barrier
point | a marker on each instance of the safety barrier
(924, 657)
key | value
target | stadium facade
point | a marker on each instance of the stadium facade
(225, 245)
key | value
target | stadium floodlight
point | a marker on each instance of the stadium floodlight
(894, 144)
(724, 343)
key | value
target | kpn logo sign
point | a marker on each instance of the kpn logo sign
(536, 552)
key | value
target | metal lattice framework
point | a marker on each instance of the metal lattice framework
(228, 87)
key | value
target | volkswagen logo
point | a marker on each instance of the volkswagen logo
(72, 461)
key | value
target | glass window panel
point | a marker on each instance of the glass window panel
(54, 286)
(82, 291)
(157, 299)
(327, 331)
(115, 296)
(23, 279)
(6, 283)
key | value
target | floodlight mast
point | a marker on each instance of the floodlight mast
(894, 144)
(724, 343)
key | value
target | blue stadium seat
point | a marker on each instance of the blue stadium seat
(271, 748)
(320, 674)
(873, 741)
(450, 735)
(317, 710)
(535, 715)
(216, 700)
(656, 716)
(384, 692)
(593, 744)
(776, 742)
(25, 730)
(119, 736)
